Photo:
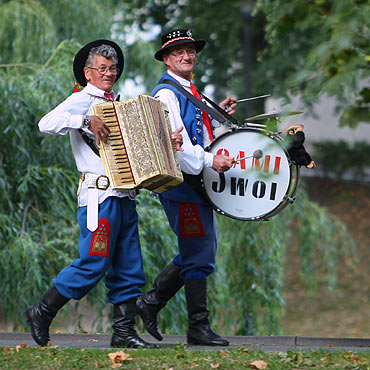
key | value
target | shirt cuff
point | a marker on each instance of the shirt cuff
(208, 159)
(77, 121)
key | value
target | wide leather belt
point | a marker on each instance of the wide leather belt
(94, 183)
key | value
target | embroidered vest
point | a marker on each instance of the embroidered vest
(192, 118)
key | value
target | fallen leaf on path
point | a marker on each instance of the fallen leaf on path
(354, 357)
(19, 346)
(119, 356)
(215, 366)
(259, 364)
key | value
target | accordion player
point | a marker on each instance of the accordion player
(139, 152)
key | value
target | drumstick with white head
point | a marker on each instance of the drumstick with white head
(256, 154)
(253, 98)
(248, 99)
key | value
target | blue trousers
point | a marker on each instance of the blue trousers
(112, 251)
(197, 254)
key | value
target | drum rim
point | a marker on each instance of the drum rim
(282, 204)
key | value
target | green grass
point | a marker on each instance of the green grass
(52, 358)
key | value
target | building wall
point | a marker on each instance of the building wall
(320, 124)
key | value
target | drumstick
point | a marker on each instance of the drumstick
(255, 97)
(256, 154)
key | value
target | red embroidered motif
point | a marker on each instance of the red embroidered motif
(190, 222)
(99, 245)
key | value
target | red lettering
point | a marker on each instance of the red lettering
(277, 165)
(223, 151)
(265, 164)
(242, 162)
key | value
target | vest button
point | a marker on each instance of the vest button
(197, 116)
(198, 131)
(194, 138)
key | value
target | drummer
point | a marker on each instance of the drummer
(189, 213)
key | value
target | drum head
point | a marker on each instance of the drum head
(253, 188)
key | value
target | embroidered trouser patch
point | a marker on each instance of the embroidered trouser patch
(99, 245)
(190, 222)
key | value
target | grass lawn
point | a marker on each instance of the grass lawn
(177, 358)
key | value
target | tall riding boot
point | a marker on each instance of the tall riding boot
(200, 331)
(165, 286)
(124, 333)
(41, 314)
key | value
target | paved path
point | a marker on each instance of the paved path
(268, 344)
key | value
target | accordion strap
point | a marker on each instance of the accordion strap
(89, 142)
(216, 112)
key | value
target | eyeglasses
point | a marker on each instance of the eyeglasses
(181, 53)
(103, 70)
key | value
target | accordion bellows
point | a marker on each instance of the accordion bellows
(139, 152)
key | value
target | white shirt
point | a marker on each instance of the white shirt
(66, 118)
(194, 158)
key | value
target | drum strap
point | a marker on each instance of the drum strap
(216, 112)
(195, 183)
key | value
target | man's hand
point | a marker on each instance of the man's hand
(99, 129)
(222, 163)
(228, 105)
(177, 138)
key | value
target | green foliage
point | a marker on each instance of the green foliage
(340, 158)
(221, 63)
(252, 255)
(20, 20)
(38, 231)
(319, 47)
(322, 240)
(251, 262)
(283, 47)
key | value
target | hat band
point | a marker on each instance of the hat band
(176, 39)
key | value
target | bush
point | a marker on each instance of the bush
(339, 158)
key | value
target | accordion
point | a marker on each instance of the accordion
(139, 152)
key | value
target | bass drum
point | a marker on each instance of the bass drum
(260, 184)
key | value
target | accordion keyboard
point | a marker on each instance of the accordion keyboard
(115, 153)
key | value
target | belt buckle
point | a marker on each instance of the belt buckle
(97, 182)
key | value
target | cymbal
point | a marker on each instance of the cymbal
(273, 114)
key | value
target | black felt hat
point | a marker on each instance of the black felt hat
(177, 37)
(81, 57)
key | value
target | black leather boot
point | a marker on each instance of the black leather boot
(165, 286)
(124, 333)
(41, 314)
(200, 331)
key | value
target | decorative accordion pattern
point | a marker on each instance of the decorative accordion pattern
(139, 152)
